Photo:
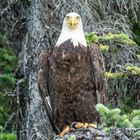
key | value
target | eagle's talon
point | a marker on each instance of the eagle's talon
(73, 125)
(85, 125)
(93, 125)
(78, 125)
(66, 130)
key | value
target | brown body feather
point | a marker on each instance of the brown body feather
(73, 77)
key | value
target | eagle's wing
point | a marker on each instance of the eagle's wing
(98, 67)
(42, 79)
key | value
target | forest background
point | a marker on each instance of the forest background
(115, 26)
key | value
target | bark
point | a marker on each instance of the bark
(31, 26)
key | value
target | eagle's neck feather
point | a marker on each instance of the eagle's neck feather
(76, 36)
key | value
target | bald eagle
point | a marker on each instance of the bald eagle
(71, 77)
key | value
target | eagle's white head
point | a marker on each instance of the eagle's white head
(72, 29)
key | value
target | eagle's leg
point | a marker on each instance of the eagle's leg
(83, 125)
(76, 125)
(66, 130)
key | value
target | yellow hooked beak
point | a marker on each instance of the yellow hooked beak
(73, 21)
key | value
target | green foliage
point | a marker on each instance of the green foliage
(2, 40)
(122, 38)
(137, 134)
(134, 69)
(73, 137)
(104, 47)
(91, 38)
(119, 38)
(114, 75)
(136, 31)
(7, 136)
(138, 56)
(4, 111)
(8, 62)
(121, 94)
(119, 49)
(136, 118)
(114, 118)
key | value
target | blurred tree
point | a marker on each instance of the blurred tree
(136, 31)
(8, 63)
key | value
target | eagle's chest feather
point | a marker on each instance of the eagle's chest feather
(70, 69)
(69, 58)
(71, 84)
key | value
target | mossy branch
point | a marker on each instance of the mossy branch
(114, 75)
(118, 38)
(134, 69)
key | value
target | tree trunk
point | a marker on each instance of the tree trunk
(34, 25)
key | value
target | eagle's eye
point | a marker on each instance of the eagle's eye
(78, 18)
(67, 18)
